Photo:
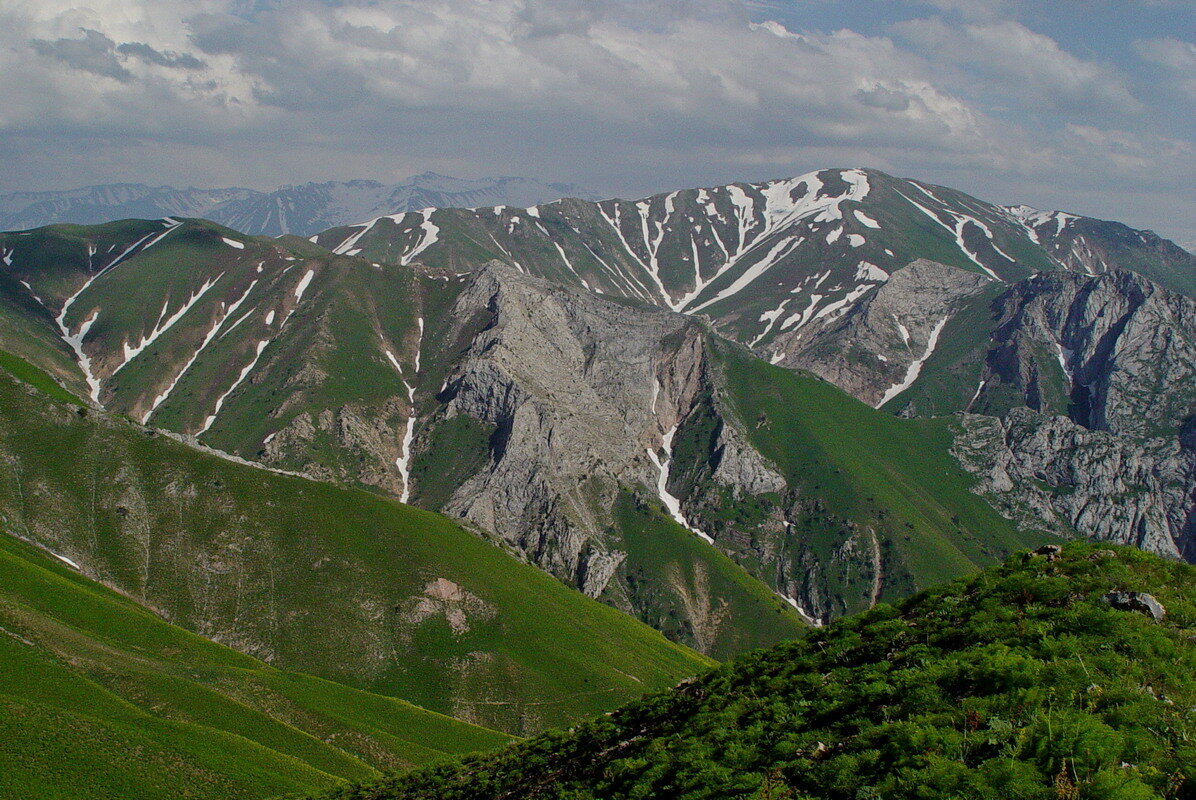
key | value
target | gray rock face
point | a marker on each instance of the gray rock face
(1140, 602)
(1125, 349)
(870, 349)
(1050, 473)
(580, 389)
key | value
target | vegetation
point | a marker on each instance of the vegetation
(858, 474)
(334, 582)
(1018, 682)
(100, 698)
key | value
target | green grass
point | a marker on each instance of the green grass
(102, 699)
(1017, 682)
(682, 586)
(870, 470)
(322, 579)
(457, 448)
(949, 378)
(24, 371)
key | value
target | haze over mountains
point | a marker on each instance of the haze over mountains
(303, 210)
(726, 414)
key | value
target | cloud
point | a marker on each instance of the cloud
(1005, 59)
(94, 53)
(149, 55)
(625, 96)
(1175, 56)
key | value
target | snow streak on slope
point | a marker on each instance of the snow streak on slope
(911, 374)
(781, 209)
(161, 327)
(670, 502)
(240, 379)
(216, 325)
(403, 462)
(431, 233)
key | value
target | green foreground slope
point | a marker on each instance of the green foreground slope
(312, 577)
(99, 698)
(1018, 682)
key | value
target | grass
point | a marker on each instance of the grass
(320, 579)
(1018, 682)
(692, 592)
(102, 699)
(870, 470)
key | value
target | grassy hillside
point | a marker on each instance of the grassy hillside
(102, 699)
(1019, 682)
(327, 580)
(876, 503)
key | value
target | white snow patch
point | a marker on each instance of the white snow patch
(976, 396)
(834, 235)
(270, 317)
(232, 243)
(866, 220)
(911, 374)
(867, 271)
(801, 612)
(216, 325)
(240, 379)
(855, 240)
(162, 327)
(802, 317)
(403, 462)
(429, 237)
(670, 502)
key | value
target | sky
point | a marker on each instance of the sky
(1083, 105)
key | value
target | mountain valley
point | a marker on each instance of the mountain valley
(518, 466)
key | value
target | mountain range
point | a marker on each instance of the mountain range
(386, 454)
(305, 209)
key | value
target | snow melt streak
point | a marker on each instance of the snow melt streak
(915, 368)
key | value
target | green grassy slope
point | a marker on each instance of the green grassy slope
(1019, 682)
(691, 591)
(318, 578)
(860, 472)
(102, 699)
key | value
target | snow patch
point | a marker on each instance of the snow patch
(915, 369)
(866, 220)
(232, 242)
(670, 502)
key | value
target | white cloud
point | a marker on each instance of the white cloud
(619, 95)
(1007, 59)
(1176, 56)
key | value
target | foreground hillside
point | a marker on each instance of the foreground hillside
(1047, 677)
(99, 698)
(334, 582)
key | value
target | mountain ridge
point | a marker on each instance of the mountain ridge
(301, 209)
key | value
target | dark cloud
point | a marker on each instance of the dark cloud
(151, 56)
(94, 53)
(623, 96)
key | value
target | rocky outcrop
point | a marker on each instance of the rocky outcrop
(1123, 349)
(1048, 472)
(579, 388)
(870, 349)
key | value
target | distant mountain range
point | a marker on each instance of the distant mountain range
(302, 210)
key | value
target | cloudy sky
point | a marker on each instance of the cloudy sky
(1085, 105)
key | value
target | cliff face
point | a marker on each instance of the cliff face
(579, 390)
(1050, 473)
(878, 347)
(1124, 351)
